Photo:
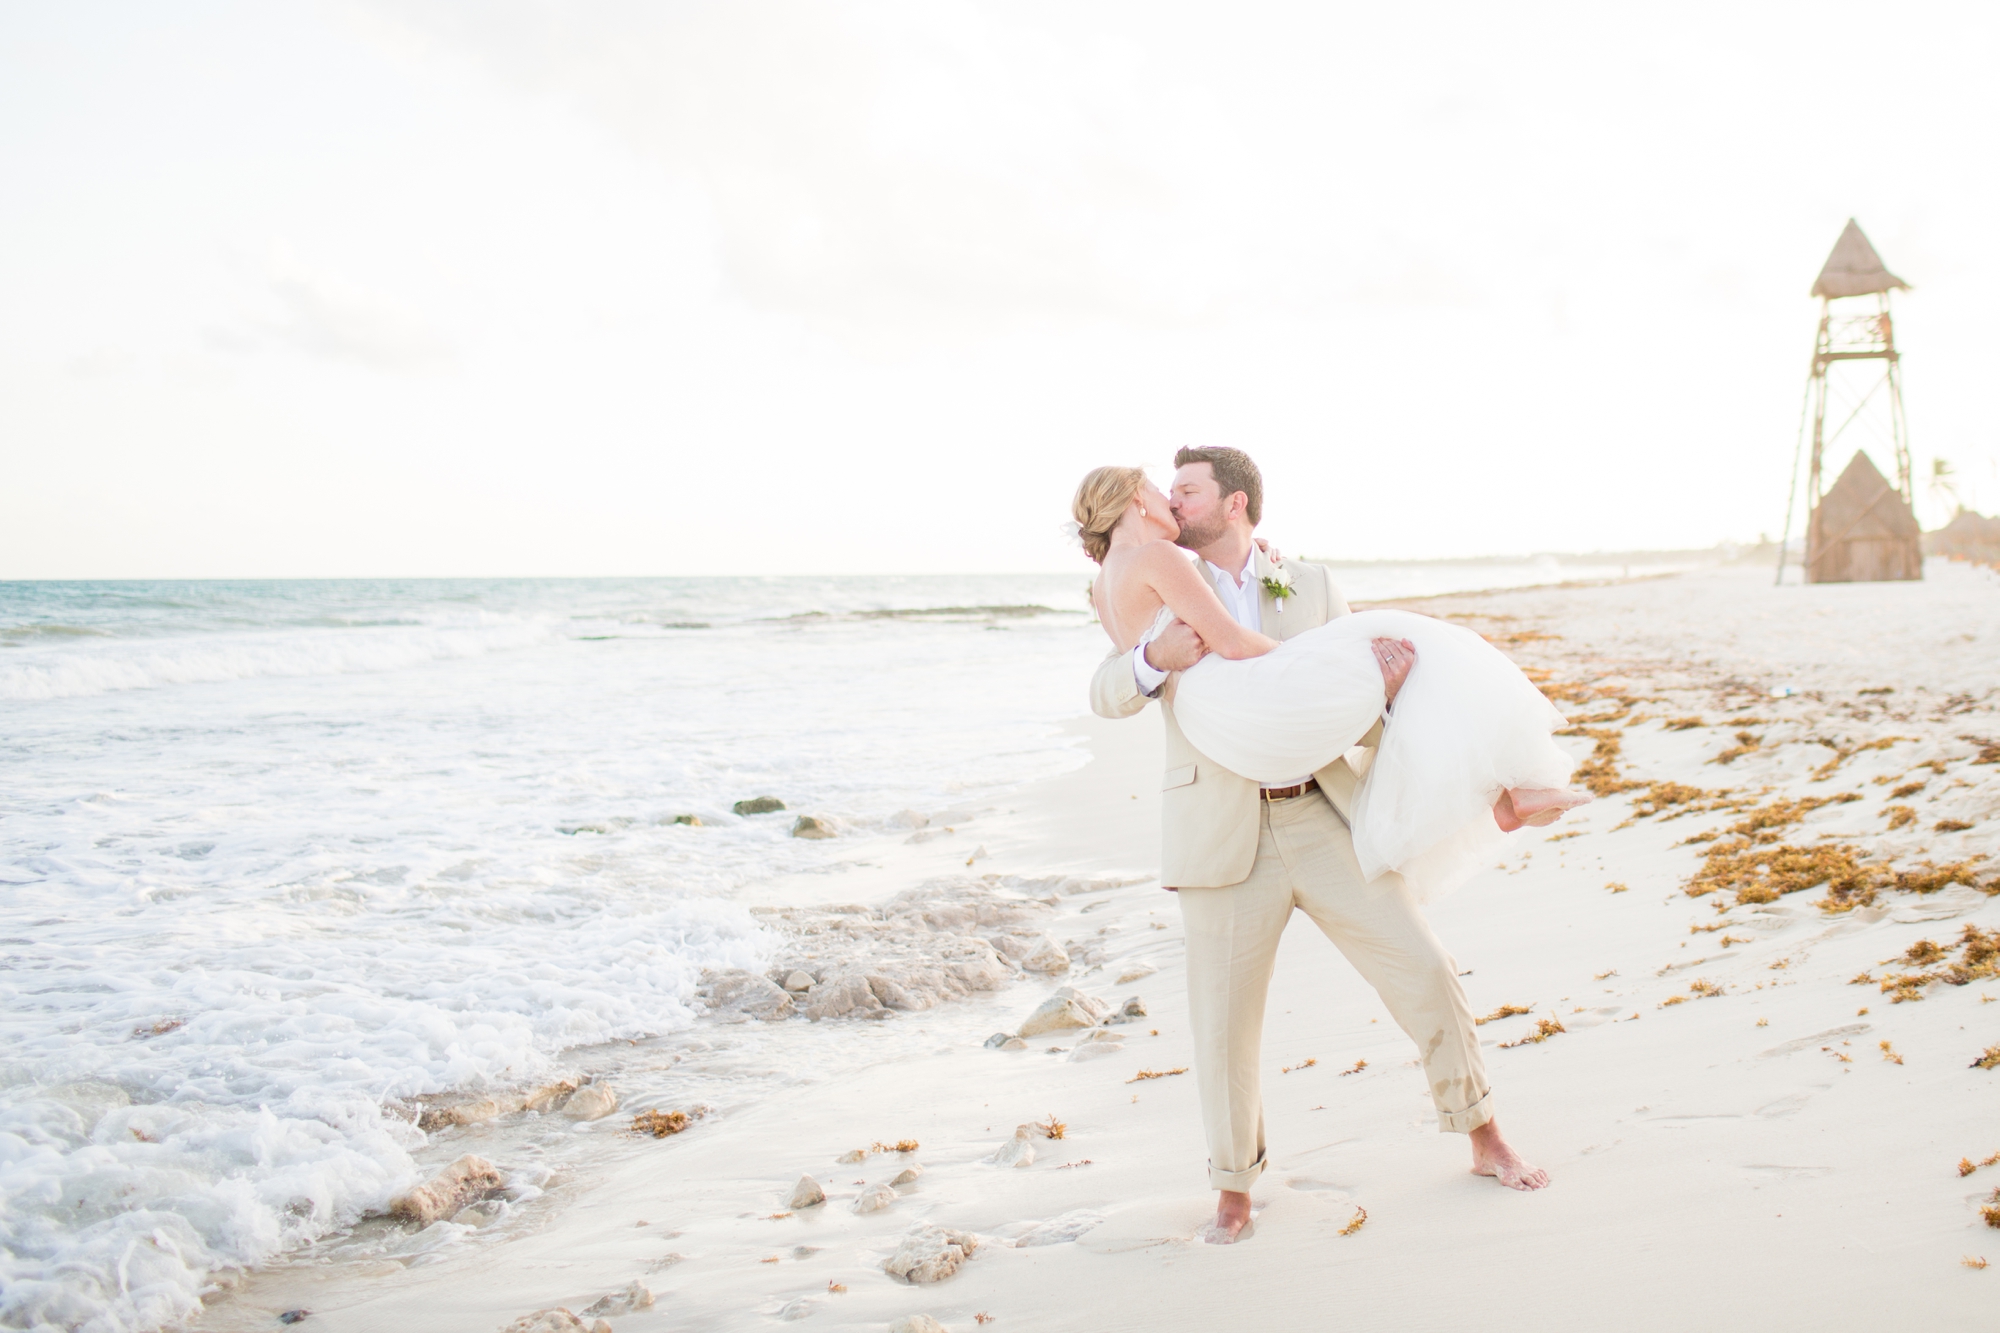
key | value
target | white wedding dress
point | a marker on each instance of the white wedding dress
(1467, 725)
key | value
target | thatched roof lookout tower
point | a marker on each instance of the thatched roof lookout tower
(1864, 528)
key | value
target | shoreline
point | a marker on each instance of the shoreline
(1094, 825)
(1754, 1134)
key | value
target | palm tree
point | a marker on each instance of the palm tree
(1943, 487)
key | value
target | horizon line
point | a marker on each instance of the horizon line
(1725, 550)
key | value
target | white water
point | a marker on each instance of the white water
(271, 855)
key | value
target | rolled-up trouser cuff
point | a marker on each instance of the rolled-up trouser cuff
(1240, 1181)
(1459, 1122)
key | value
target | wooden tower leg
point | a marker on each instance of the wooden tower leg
(1814, 537)
(1792, 495)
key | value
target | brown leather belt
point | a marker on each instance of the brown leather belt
(1287, 793)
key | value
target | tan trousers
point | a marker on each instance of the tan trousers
(1305, 860)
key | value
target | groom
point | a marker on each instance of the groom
(1242, 858)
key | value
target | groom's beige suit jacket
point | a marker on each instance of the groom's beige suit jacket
(1208, 813)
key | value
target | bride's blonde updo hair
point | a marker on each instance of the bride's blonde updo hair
(1100, 502)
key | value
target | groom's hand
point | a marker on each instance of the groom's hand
(1177, 648)
(1395, 657)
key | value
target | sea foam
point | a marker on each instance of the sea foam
(278, 859)
(60, 670)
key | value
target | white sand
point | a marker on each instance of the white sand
(1713, 1165)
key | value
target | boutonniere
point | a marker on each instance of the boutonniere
(1279, 584)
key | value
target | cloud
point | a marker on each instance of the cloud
(326, 317)
(892, 162)
(101, 363)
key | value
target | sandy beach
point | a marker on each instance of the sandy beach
(557, 569)
(1741, 1129)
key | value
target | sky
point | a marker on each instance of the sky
(510, 287)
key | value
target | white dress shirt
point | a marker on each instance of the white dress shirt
(1242, 598)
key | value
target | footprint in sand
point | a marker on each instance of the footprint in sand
(1337, 1193)
(1766, 1171)
(1073, 1225)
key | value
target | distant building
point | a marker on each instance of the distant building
(1862, 530)
(1968, 536)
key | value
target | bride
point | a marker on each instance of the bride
(1466, 754)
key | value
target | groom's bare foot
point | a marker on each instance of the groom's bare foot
(1232, 1214)
(1494, 1156)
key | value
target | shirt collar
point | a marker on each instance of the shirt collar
(1249, 570)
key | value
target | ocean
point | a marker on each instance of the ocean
(275, 855)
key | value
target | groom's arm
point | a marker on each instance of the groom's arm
(1147, 668)
(1114, 690)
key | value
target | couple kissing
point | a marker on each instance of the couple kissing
(1347, 765)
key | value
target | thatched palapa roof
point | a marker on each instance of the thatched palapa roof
(1862, 531)
(1854, 269)
(1863, 506)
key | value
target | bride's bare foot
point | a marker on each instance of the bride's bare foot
(1493, 1156)
(1232, 1214)
(1534, 807)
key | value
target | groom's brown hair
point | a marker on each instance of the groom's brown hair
(1233, 472)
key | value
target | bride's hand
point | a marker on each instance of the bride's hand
(1270, 551)
(1395, 657)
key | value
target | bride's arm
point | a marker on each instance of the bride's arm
(1169, 574)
